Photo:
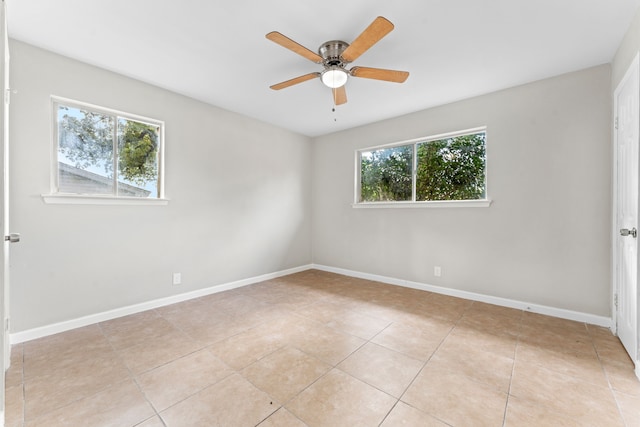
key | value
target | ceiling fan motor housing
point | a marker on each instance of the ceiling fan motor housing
(331, 53)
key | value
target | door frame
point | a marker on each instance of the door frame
(634, 67)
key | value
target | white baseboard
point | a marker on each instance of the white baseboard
(55, 328)
(534, 308)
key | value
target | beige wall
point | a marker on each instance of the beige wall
(239, 191)
(546, 237)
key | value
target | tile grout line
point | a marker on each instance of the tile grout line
(428, 360)
(24, 391)
(76, 400)
(606, 375)
(370, 341)
(286, 345)
(207, 348)
(132, 376)
(601, 364)
(333, 366)
(513, 368)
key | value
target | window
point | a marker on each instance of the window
(106, 153)
(448, 167)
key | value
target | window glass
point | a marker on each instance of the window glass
(386, 174)
(451, 168)
(137, 156)
(85, 151)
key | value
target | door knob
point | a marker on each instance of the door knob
(12, 238)
(626, 232)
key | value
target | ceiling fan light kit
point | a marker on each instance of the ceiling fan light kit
(334, 77)
(334, 56)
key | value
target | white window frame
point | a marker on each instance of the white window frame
(56, 197)
(475, 203)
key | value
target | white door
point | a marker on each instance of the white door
(4, 186)
(627, 131)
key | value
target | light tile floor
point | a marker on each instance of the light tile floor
(319, 349)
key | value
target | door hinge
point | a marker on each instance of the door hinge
(615, 300)
(615, 123)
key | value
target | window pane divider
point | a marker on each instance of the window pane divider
(414, 172)
(115, 155)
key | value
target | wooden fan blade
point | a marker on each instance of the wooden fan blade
(379, 28)
(340, 95)
(380, 74)
(295, 81)
(286, 42)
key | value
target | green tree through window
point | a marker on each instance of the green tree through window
(386, 174)
(452, 168)
(138, 148)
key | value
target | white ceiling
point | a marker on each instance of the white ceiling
(216, 51)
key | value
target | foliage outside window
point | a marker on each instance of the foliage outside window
(440, 169)
(106, 153)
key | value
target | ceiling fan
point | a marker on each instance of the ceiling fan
(334, 56)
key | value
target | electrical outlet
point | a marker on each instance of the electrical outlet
(177, 278)
(437, 271)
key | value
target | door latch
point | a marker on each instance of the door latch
(12, 238)
(626, 232)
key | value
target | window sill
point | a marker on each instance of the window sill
(83, 199)
(484, 203)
